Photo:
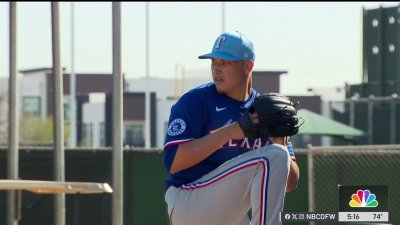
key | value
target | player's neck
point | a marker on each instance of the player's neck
(242, 93)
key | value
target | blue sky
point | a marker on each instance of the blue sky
(319, 44)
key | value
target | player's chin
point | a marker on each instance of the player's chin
(220, 88)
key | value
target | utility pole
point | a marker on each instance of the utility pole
(147, 92)
(117, 118)
(13, 118)
(223, 16)
(58, 115)
(72, 84)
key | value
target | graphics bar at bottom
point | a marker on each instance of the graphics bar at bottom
(363, 217)
(308, 216)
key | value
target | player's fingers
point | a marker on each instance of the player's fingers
(254, 117)
(277, 140)
(286, 140)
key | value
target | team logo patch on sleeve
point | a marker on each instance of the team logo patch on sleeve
(176, 127)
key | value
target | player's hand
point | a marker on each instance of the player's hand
(236, 132)
(270, 115)
(274, 140)
(254, 117)
(279, 140)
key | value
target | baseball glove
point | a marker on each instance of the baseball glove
(277, 117)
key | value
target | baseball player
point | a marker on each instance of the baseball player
(219, 167)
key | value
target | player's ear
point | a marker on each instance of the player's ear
(248, 66)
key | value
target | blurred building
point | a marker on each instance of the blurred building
(374, 105)
(94, 103)
(36, 93)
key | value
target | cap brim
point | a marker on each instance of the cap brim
(205, 56)
(218, 56)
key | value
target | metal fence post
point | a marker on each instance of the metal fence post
(58, 115)
(351, 113)
(393, 122)
(117, 118)
(310, 168)
(13, 117)
(370, 122)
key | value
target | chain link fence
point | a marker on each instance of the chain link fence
(352, 165)
(327, 168)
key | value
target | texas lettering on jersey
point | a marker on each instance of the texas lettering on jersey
(245, 144)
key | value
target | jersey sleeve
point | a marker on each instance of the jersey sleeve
(185, 124)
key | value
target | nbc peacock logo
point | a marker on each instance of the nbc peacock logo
(363, 199)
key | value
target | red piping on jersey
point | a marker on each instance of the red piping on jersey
(177, 142)
(233, 170)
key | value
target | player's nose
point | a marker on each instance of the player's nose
(216, 71)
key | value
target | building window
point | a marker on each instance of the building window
(66, 111)
(102, 134)
(133, 135)
(87, 135)
(31, 106)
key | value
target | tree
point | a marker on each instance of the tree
(3, 118)
(38, 131)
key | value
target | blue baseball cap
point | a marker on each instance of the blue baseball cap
(232, 46)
